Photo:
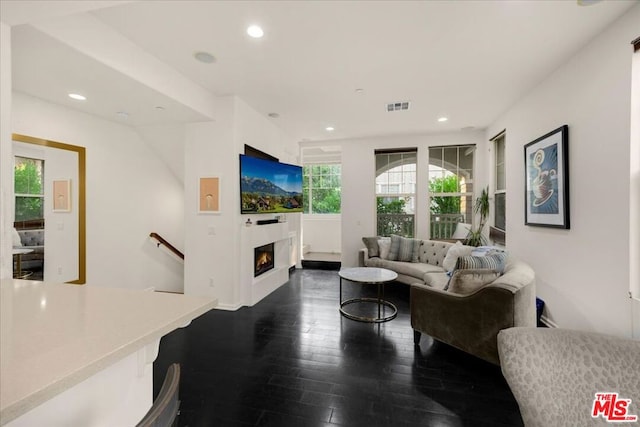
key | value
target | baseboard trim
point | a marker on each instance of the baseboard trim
(548, 322)
(228, 307)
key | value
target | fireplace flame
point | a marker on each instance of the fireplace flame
(263, 259)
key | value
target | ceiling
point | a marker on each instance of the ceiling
(320, 63)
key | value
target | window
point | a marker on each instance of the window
(321, 188)
(500, 193)
(396, 192)
(450, 188)
(29, 189)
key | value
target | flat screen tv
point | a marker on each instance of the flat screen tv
(269, 187)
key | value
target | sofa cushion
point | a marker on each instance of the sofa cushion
(469, 281)
(495, 262)
(455, 252)
(436, 279)
(384, 246)
(372, 246)
(372, 262)
(433, 252)
(403, 248)
(32, 237)
(413, 269)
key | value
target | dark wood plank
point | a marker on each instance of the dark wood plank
(293, 360)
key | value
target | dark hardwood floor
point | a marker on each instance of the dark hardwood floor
(293, 360)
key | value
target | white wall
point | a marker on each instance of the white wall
(130, 193)
(254, 129)
(211, 240)
(582, 273)
(634, 199)
(6, 158)
(322, 232)
(167, 142)
(212, 257)
(358, 183)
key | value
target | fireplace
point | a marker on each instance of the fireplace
(263, 259)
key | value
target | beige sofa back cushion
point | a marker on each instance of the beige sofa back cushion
(433, 252)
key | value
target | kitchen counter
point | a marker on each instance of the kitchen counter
(55, 336)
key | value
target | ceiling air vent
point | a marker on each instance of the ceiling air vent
(397, 106)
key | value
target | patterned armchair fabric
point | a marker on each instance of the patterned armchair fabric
(555, 374)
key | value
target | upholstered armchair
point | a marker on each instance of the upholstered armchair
(471, 321)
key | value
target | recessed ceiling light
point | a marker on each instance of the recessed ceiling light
(442, 119)
(159, 107)
(77, 97)
(273, 115)
(122, 115)
(329, 128)
(255, 31)
(359, 90)
(205, 57)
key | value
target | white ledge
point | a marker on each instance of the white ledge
(53, 336)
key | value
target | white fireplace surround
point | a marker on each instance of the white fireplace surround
(255, 289)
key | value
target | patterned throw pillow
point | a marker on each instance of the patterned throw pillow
(494, 262)
(403, 248)
(372, 246)
(455, 252)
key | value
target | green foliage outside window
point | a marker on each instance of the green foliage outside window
(445, 204)
(28, 181)
(395, 206)
(322, 189)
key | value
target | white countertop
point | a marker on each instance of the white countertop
(53, 336)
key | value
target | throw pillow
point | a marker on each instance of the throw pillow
(372, 246)
(495, 262)
(416, 250)
(455, 252)
(403, 248)
(468, 282)
(486, 250)
(17, 242)
(384, 245)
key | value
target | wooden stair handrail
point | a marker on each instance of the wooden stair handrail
(162, 241)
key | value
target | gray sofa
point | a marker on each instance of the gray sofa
(32, 239)
(466, 317)
(555, 374)
(429, 268)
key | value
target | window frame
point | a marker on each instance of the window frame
(308, 207)
(497, 190)
(469, 195)
(17, 195)
(408, 181)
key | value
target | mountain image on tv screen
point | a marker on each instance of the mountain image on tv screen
(269, 187)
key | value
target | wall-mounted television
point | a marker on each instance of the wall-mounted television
(269, 187)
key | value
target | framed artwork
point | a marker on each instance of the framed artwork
(61, 195)
(547, 180)
(209, 195)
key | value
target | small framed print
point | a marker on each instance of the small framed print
(547, 180)
(209, 195)
(62, 195)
